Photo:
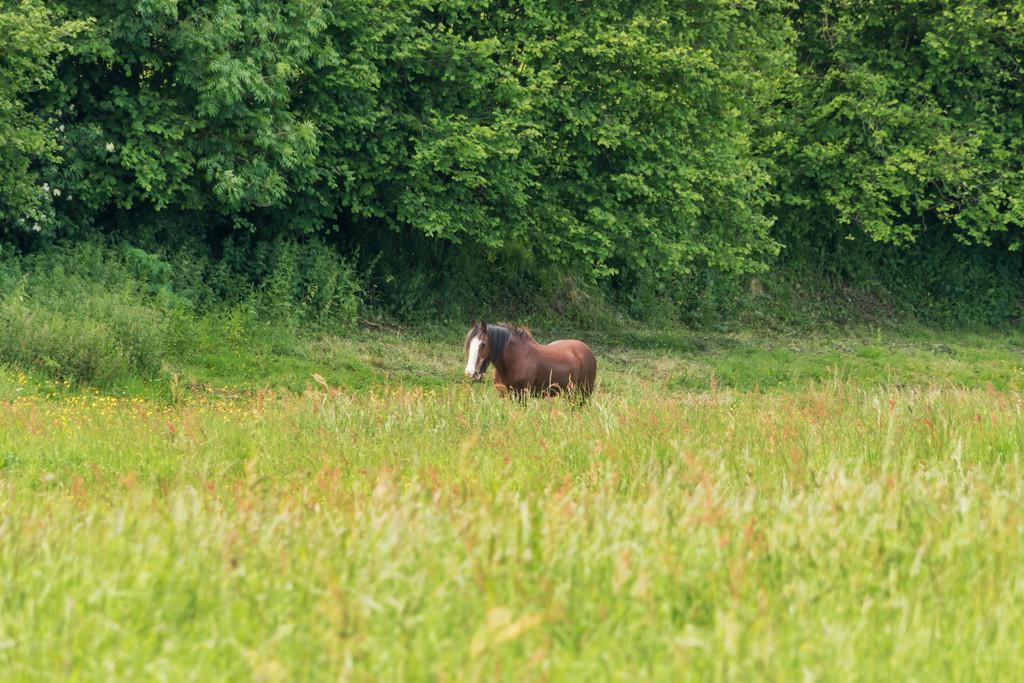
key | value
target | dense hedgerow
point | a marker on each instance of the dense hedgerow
(905, 122)
(653, 155)
(600, 139)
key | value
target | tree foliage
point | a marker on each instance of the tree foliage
(906, 117)
(31, 38)
(604, 137)
(641, 144)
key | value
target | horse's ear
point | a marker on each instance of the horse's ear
(483, 326)
(472, 323)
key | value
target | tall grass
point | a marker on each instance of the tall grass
(840, 531)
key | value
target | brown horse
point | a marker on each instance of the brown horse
(522, 366)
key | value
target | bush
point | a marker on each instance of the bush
(83, 315)
(309, 284)
(102, 314)
(109, 338)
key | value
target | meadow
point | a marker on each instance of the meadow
(235, 439)
(728, 507)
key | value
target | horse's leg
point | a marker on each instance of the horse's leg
(571, 392)
(580, 391)
(577, 397)
(513, 393)
(554, 387)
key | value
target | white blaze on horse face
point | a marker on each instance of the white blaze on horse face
(474, 353)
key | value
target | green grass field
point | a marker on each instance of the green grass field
(728, 507)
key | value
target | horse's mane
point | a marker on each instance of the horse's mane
(500, 334)
(519, 331)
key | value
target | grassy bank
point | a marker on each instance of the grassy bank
(728, 507)
(268, 315)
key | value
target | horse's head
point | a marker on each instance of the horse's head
(478, 349)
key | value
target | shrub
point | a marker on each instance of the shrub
(99, 314)
(109, 338)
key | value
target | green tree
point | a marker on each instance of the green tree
(32, 39)
(905, 118)
(605, 138)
